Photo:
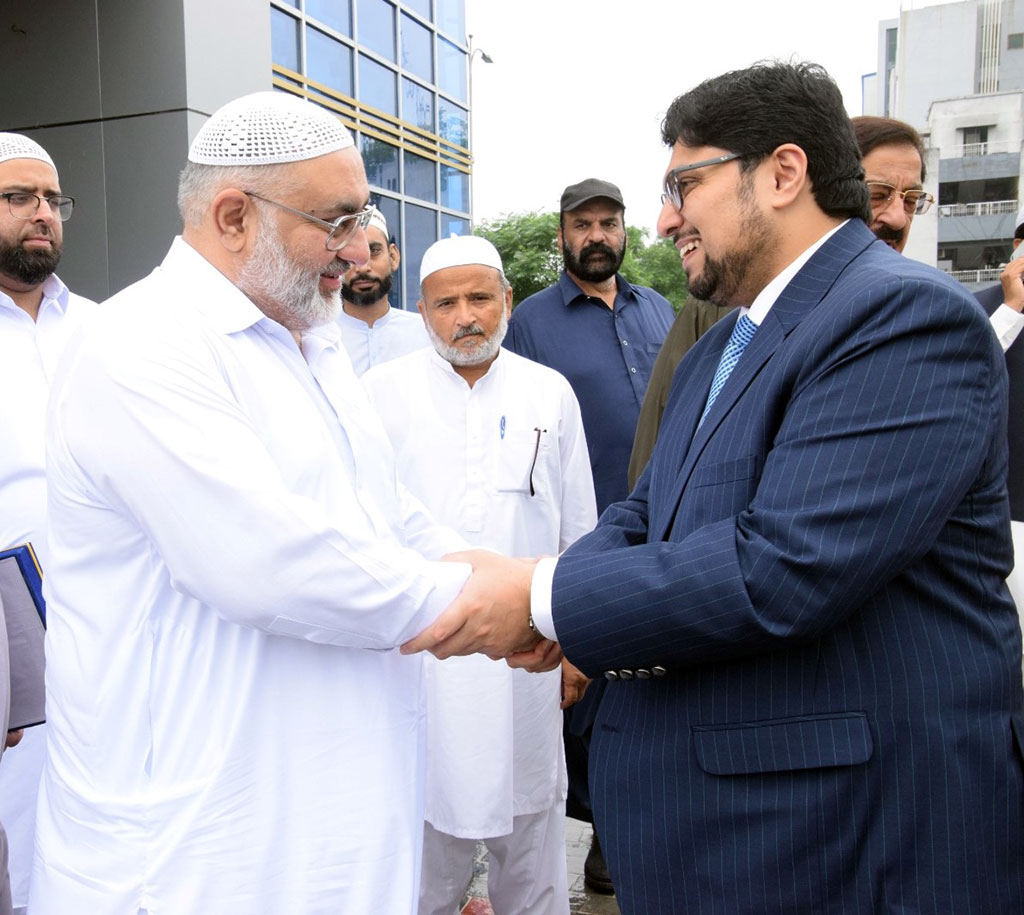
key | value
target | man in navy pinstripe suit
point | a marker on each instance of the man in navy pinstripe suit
(816, 703)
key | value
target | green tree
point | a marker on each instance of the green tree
(527, 243)
(528, 246)
(655, 264)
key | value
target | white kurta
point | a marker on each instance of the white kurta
(494, 734)
(394, 333)
(231, 563)
(29, 351)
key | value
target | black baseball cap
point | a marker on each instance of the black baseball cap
(575, 195)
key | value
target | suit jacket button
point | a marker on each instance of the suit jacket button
(611, 675)
(658, 671)
(625, 675)
(643, 673)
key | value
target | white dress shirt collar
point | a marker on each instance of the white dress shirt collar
(767, 296)
(55, 295)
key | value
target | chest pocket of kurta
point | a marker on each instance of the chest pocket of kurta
(523, 462)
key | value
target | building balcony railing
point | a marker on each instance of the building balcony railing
(375, 123)
(969, 150)
(984, 208)
(986, 275)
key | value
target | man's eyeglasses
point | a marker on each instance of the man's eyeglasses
(24, 205)
(675, 190)
(339, 232)
(915, 202)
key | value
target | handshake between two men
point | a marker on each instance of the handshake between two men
(491, 616)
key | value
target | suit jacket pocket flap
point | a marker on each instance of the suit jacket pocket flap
(783, 744)
(727, 471)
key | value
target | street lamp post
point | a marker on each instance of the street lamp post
(487, 59)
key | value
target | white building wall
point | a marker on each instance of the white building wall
(936, 58)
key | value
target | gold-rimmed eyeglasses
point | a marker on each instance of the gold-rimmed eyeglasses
(915, 201)
(339, 232)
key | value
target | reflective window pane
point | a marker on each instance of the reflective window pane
(334, 13)
(420, 234)
(377, 85)
(454, 189)
(421, 6)
(419, 177)
(284, 39)
(453, 225)
(381, 162)
(416, 53)
(451, 66)
(417, 105)
(453, 123)
(328, 61)
(451, 18)
(377, 27)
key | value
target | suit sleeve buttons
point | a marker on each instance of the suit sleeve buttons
(611, 675)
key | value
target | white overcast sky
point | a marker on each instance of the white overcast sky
(578, 87)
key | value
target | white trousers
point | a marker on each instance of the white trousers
(526, 870)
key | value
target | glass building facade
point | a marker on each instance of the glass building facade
(397, 74)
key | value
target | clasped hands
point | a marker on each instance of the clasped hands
(490, 616)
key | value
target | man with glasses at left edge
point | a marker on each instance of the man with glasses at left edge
(233, 563)
(38, 314)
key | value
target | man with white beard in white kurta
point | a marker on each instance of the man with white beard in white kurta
(231, 564)
(494, 445)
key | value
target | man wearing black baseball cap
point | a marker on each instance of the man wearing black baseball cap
(603, 334)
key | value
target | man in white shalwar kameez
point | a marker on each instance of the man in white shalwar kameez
(373, 332)
(38, 315)
(232, 562)
(494, 446)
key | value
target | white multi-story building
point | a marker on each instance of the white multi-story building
(955, 71)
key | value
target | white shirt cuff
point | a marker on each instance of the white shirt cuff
(1007, 323)
(540, 597)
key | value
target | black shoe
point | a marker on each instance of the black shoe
(595, 871)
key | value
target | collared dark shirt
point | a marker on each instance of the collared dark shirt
(606, 354)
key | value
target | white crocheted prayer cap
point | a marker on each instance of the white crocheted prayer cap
(458, 251)
(378, 221)
(15, 146)
(267, 128)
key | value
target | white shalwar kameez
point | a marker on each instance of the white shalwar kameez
(393, 334)
(473, 455)
(29, 352)
(231, 565)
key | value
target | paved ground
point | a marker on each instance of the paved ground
(581, 900)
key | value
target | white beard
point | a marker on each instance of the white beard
(271, 277)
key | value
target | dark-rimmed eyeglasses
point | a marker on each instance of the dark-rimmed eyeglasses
(675, 191)
(339, 232)
(915, 201)
(24, 205)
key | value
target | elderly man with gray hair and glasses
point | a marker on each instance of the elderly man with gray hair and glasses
(233, 563)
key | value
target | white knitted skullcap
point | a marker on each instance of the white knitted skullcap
(459, 251)
(378, 221)
(267, 128)
(15, 146)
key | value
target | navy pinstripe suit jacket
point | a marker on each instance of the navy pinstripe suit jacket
(820, 569)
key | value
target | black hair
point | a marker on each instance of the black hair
(756, 110)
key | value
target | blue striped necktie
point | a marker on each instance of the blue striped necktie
(742, 334)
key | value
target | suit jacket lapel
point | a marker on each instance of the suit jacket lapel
(803, 293)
